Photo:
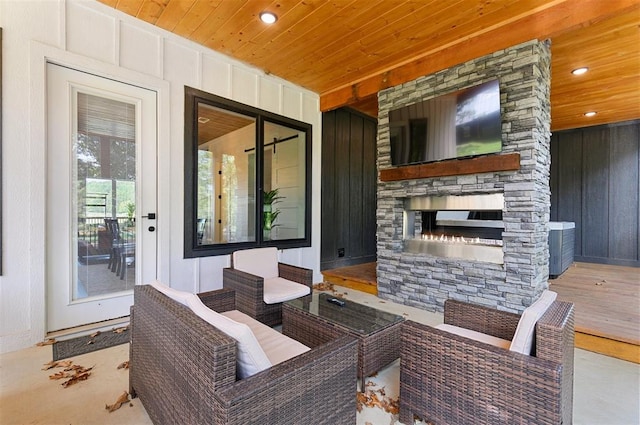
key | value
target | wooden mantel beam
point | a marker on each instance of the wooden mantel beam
(544, 23)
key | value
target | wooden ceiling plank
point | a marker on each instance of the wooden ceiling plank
(110, 3)
(198, 13)
(289, 26)
(566, 15)
(307, 34)
(274, 38)
(151, 10)
(601, 33)
(130, 7)
(600, 89)
(210, 26)
(347, 44)
(174, 12)
(320, 39)
(446, 29)
(473, 26)
(239, 29)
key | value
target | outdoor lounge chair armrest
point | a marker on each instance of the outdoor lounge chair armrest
(296, 274)
(555, 334)
(501, 367)
(436, 364)
(324, 376)
(244, 283)
(220, 300)
(487, 320)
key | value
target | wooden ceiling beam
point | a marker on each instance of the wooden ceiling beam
(560, 17)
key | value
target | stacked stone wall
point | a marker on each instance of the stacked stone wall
(426, 281)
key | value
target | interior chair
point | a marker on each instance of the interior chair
(120, 249)
(485, 366)
(113, 227)
(202, 225)
(127, 259)
(262, 283)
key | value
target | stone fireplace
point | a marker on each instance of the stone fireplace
(504, 261)
(466, 226)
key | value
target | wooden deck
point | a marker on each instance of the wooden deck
(361, 277)
(607, 300)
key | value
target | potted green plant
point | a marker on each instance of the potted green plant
(269, 214)
(131, 212)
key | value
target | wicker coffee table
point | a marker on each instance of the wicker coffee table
(315, 319)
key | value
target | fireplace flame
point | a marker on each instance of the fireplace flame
(460, 240)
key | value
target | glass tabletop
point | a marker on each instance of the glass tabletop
(354, 316)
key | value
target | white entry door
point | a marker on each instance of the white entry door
(101, 196)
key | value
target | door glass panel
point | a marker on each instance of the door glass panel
(226, 199)
(104, 196)
(284, 181)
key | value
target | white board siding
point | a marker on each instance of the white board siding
(94, 37)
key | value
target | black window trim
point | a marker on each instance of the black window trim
(192, 98)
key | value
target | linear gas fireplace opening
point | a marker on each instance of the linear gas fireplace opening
(468, 227)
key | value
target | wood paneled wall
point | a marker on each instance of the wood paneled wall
(595, 182)
(348, 189)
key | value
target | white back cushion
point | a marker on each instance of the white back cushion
(523, 338)
(261, 262)
(276, 346)
(251, 357)
(279, 290)
(174, 294)
(477, 336)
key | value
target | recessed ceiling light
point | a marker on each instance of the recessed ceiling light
(268, 17)
(580, 71)
(203, 120)
(589, 114)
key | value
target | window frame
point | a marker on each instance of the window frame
(192, 98)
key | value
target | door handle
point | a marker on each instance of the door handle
(150, 216)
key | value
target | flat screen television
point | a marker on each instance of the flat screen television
(455, 125)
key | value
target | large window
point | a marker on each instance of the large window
(247, 177)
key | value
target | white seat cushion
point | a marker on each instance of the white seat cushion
(261, 262)
(251, 357)
(523, 338)
(278, 290)
(477, 336)
(174, 294)
(277, 347)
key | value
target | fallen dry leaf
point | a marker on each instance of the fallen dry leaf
(377, 398)
(120, 330)
(75, 373)
(54, 363)
(324, 286)
(124, 398)
(95, 334)
(49, 341)
(60, 375)
(76, 378)
(124, 365)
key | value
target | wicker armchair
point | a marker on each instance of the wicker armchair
(184, 371)
(250, 287)
(449, 379)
